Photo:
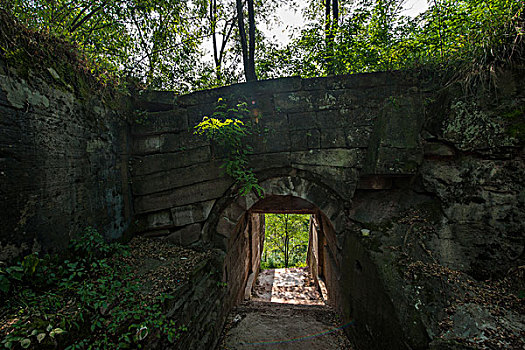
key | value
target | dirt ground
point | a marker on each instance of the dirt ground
(286, 312)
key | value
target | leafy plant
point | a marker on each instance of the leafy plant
(89, 294)
(228, 128)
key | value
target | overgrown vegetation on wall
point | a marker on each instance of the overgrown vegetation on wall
(29, 51)
(227, 128)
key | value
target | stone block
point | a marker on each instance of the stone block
(146, 145)
(192, 213)
(336, 157)
(161, 122)
(242, 89)
(175, 178)
(359, 116)
(438, 149)
(401, 122)
(277, 142)
(330, 119)
(275, 121)
(200, 192)
(182, 141)
(358, 136)
(156, 97)
(220, 242)
(394, 161)
(302, 120)
(314, 84)
(333, 138)
(332, 99)
(186, 236)
(234, 212)
(313, 138)
(299, 140)
(374, 183)
(300, 101)
(165, 161)
(198, 112)
(269, 160)
(225, 227)
(160, 219)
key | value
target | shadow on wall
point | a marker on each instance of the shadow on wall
(336, 259)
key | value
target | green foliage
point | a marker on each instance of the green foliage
(228, 128)
(88, 300)
(373, 35)
(286, 240)
(155, 41)
(161, 42)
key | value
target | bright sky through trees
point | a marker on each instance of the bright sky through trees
(291, 19)
(187, 45)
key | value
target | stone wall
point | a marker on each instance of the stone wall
(198, 305)
(63, 164)
(395, 168)
(243, 258)
(463, 211)
(337, 129)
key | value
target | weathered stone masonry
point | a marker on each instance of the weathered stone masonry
(63, 165)
(358, 152)
(334, 129)
(361, 151)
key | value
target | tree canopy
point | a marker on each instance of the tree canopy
(286, 240)
(162, 42)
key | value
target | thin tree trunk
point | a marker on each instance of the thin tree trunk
(213, 23)
(251, 76)
(286, 241)
(331, 23)
(242, 37)
(249, 63)
(327, 24)
(328, 37)
(335, 12)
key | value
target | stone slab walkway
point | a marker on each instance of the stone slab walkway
(286, 312)
(288, 286)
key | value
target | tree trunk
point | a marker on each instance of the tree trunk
(335, 13)
(331, 20)
(286, 241)
(247, 55)
(251, 76)
(213, 23)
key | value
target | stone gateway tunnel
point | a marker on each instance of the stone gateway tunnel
(392, 166)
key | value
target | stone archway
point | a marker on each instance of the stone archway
(350, 273)
(236, 227)
(226, 215)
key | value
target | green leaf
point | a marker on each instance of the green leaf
(40, 337)
(25, 343)
(5, 284)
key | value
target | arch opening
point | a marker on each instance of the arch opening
(342, 267)
(239, 227)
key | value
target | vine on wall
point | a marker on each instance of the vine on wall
(228, 128)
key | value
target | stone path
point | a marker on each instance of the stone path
(288, 286)
(286, 312)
